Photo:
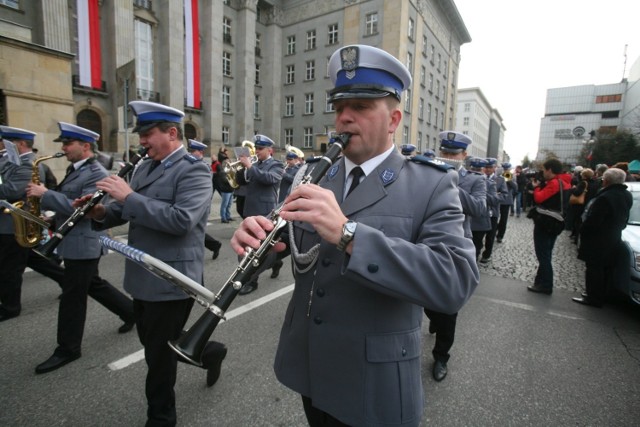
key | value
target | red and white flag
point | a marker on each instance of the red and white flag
(89, 43)
(192, 53)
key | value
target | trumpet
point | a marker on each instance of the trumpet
(508, 176)
(192, 343)
(47, 249)
(230, 169)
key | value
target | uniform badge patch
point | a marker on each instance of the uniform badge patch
(333, 171)
(387, 176)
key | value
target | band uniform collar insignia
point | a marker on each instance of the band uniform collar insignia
(387, 176)
(168, 164)
(350, 57)
(333, 171)
(463, 172)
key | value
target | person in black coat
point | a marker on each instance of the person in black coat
(600, 235)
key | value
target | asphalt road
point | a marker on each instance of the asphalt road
(520, 359)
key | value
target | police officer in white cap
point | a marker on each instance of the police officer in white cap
(16, 174)
(80, 248)
(167, 206)
(382, 253)
(472, 191)
(408, 149)
(196, 148)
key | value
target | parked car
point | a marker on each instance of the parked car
(628, 271)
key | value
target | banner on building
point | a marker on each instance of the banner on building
(90, 68)
(192, 53)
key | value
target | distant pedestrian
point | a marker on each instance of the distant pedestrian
(601, 236)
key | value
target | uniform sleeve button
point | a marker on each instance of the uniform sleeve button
(317, 320)
(320, 292)
(373, 268)
(404, 352)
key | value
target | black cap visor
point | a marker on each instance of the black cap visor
(362, 91)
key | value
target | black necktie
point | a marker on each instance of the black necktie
(356, 173)
(70, 169)
(154, 165)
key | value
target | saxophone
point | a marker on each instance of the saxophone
(27, 223)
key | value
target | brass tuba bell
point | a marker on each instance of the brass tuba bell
(230, 168)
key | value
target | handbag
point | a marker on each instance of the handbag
(578, 200)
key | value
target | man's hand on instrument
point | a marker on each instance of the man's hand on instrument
(318, 207)
(97, 212)
(251, 232)
(116, 187)
(36, 190)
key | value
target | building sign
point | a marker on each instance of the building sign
(579, 131)
(575, 133)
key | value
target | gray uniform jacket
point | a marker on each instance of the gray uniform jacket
(262, 183)
(14, 186)
(483, 222)
(354, 348)
(473, 197)
(167, 215)
(505, 195)
(82, 241)
(287, 179)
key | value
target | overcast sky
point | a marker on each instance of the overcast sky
(521, 49)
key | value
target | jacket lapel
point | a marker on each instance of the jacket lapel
(145, 178)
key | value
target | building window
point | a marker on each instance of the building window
(144, 58)
(410, 62)
(425, 44)
(258, 44)
(467, 107)
(405, 135)
(327, 67)
(444, 92)
(437, 89)
(288, 106)
(257, 74)
(465, 121)
(291, 45)
(423, 75)
(428, 114)
(308, 103)
(432, 53)
(333, 34)
(411, 28)
(603, 99)
(291, 74)
(421, 109)
(407, 100)
(328, 105)
(419, 142)
(430, 82)
(310, 70)
(439, 63)
(226, 30)
(311, 39)
(226, 99)
(226, 64)
(14, 4)
(256, 107)
(308, 137)
(435, 118)
(225, 135)
(442, 119)
(288, 136)
(371, 24)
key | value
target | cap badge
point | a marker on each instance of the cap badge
(350, 57)
(451, 136)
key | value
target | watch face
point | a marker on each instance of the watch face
(350, 226)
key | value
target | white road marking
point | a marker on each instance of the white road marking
(139, 355)
(530, 308)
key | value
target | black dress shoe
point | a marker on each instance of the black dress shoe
(6, 314)
(213, 371)
(275, 269)
(126, 327)
(540, 289)
(439, 370)
(248, 288)
(585, 300)
(54, 362)
(216, 250)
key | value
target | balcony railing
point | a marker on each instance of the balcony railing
(148, 95)
(144, 4)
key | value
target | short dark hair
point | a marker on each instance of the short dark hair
(554, 164)
(165, 126)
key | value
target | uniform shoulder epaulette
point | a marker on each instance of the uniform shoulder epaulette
(191, 158)
(438, 164)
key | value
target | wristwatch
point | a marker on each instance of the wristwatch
(348, 230)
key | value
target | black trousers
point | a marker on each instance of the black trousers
(211, 242)
(502, 223)
(486, 239)
(318, 418)
(445, 330)
(13, 261)
(159, 322)
(80, 279)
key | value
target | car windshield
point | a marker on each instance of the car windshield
(634, 214)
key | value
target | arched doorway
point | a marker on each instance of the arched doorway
(89, 119)
(190, 131)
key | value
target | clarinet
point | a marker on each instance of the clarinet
(191, 344)
(47, 249)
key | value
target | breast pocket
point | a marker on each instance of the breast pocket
(391, 224)
(163, 192)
